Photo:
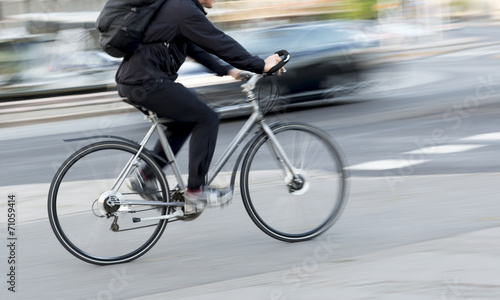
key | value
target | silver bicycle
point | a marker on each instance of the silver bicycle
(292, 182)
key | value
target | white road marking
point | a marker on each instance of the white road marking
(387, 164)
(492, 136)
(443, 149)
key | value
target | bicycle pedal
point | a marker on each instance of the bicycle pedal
(192, 215)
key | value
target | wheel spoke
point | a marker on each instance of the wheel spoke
(88, 175)
(306, 210)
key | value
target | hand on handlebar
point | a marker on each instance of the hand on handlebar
(235, 73)
(272, 65)
(272, 61)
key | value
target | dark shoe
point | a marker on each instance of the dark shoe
(146, 188)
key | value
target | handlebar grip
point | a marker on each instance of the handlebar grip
(285, 57)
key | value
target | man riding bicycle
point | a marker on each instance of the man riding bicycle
(147, 78)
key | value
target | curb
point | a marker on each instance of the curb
(54, 112)
(65, 117)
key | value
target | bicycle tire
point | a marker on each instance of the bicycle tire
(285, 213)
(73, 216)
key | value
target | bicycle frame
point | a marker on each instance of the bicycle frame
(256, 118)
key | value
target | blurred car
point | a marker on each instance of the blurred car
(323, 64)
(15, 54)
(59, 73)
(83, 62)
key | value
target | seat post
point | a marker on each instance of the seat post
(169, 154)
(153, 118)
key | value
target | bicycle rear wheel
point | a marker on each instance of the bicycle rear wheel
(73, 204)
(287, 208)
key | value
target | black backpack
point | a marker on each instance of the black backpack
(121, 24)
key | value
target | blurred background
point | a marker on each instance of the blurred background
(409, 89)
(42, 41)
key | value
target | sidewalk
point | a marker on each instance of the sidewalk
(462, 266)
(465, 266)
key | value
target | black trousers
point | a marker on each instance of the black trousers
(190, 116)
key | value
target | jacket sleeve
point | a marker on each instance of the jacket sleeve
(193, 25)
(206, 59)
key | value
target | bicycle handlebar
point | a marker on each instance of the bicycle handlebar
(285, 57)
(252, 78)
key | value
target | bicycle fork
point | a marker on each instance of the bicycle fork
(295, 181)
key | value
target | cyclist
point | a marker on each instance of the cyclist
(147, 78)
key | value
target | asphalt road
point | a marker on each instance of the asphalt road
(423, 161)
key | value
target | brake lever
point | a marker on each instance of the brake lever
(245, 75)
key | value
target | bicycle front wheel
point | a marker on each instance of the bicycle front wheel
(290, 207)
(79, 193)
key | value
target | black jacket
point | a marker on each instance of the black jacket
(180, 28)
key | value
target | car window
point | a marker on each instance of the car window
(315, 38)
(265, 42)
(294, 39)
